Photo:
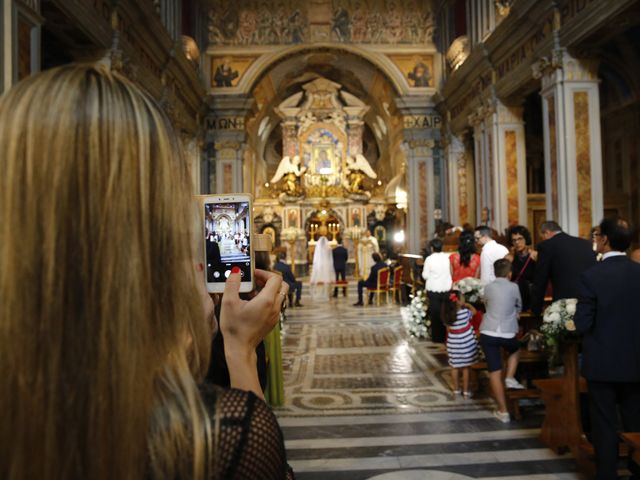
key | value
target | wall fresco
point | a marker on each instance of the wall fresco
(286, 22)
(258, 22)
(383, 22)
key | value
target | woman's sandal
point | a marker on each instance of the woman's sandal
(467, 395)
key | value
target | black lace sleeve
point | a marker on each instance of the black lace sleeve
(249, 443)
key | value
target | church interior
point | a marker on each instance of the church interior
(382, 125)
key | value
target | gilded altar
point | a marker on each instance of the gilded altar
(323, 185)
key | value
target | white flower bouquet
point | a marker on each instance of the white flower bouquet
(415, 316)
(558, 321)
(471, 288)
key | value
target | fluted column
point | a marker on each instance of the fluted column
(572, 141)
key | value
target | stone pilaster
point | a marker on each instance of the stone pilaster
(573, 153)
(421, 137)
(226, 133)
(458, 180)
(501, 182)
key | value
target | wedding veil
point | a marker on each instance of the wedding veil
(322, 271)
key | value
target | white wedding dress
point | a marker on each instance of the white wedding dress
(322, 273)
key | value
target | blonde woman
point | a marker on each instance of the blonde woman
(105, 326)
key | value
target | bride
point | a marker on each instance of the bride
(322, 273)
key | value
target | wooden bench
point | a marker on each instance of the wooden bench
(632, 442)
(513, 400)
(586, 455)
(562, 428)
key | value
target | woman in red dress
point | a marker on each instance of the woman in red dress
(465, 262)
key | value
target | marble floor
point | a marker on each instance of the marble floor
(366, 401)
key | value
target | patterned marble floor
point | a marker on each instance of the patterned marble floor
(365, 401)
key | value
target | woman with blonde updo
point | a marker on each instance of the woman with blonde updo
(105, 326)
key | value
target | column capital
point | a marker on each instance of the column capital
(562, 66)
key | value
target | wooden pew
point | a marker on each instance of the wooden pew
(562, 427)
(632, 441)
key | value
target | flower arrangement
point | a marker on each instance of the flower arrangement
(415, 316)
(471, 288)
(558, 321)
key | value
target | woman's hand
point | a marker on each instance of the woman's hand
(244, 324)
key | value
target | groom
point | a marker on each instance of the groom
(608, 314)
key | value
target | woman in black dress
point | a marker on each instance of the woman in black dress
(523, 263)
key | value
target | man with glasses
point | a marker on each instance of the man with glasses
(561, 260)
(608, 314)
(491, 251)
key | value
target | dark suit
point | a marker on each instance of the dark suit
(289, 278)
(608, 314)
(340, 256)
(561, 259)
(371, 281)
(214, 261)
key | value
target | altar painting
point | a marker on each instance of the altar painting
(323, 154)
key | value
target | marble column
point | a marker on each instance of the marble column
(421, 194)
(289, 138)
(228, 159)
(500, 165)
(572, 141)
(421, 134)
(356, 130)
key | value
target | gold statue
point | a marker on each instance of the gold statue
(355, 179)
(290, 171)
(357, 170)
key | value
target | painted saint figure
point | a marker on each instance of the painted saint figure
(323, 163)
(225, 75)
(420, 75)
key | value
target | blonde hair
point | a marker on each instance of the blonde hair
(97, 292)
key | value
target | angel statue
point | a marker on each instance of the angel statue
(290, 171)
(357, 170)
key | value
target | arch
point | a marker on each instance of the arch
(266, 62)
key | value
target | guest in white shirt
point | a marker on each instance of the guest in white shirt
(437, 274)
(491, 251)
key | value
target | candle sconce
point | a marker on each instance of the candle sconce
(334, 229)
